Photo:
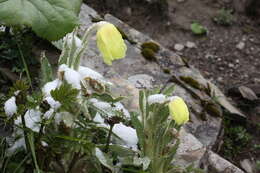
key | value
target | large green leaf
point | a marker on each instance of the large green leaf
(50, 19)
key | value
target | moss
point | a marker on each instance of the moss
(96, 19)
(151, 45)
(125, 37)
(213, 109)
(166, 70)
(192, 82)
(148, 54)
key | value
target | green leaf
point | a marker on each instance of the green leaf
(46, 71)
(107, 97)
(32, 148)
(198, 29)
(66, 95)
(139, 129)
(142, 104)
(169, 90)
(104, 159)
(50, 19)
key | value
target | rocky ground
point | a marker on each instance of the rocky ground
(227, 55)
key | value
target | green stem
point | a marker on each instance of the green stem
(108, 138)
(86, 37)
(25, 133)
(24, 64)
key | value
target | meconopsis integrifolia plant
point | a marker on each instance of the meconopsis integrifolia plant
(109, 42)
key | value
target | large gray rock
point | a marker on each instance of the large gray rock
(134, 72)
(216, 164)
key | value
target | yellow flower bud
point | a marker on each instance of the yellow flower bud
(110, 43)
(179, 110)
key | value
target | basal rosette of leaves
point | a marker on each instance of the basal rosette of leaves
(49, 19)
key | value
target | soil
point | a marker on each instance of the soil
(226, 55)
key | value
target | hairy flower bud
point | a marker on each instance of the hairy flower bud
(110, 43)
(179, 110)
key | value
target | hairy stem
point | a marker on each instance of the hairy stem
(108, 138)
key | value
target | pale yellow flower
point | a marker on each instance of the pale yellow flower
(110, 43)
(179, 110)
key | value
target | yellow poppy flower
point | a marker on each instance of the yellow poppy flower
(110, 43)
(179, 110)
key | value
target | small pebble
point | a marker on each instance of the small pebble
(178, 47)
(190, 44)
(230, 65)
(240, 45)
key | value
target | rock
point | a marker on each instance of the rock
(180, 1)
(178, 47)
(247, 93)
(141, 81)
(190, 44)
(190, 150)
(209, 56)
(215, 163)
(135, 72)
(247, 165)
(241, 45)
(230, 65)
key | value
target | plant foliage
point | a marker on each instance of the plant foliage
(43, 16)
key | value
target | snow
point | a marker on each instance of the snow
(44, 144)
(105, 106)
(53, 103)
(101, 121)
(69, 38)
(65, 117)
(120, 107)
(17, 92)
(70, 75)
(86, 72)
(49, 113)
(156, 98)
(127, 134)
(10, 106)
(32, 119)
(173, 98)
(48, 87)
(17, 144)
(62, 68)
(73, 78)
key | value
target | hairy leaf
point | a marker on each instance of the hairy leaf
(66, 95)
(46, 71)
(50, 19)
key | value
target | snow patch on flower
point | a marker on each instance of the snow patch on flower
(120, 107)
(105, 106)
(65, 117)
(49, 113)
(73, 78)
(86, 72)
(69, 38)
(156, 98)
(10, 106)
(100, 120)
(48, 87)
(32, 119)
(53, 103)
(20, 143)
(127, 134)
